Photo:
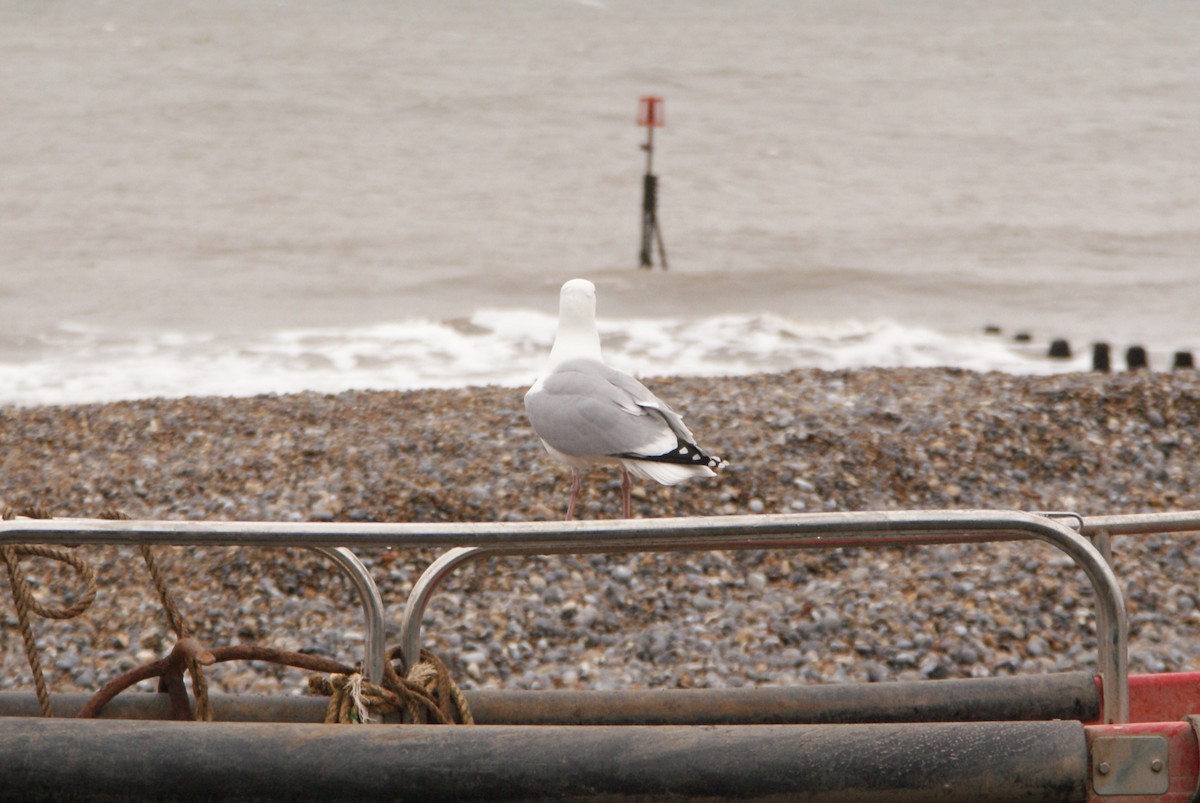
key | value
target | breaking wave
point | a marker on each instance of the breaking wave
(73, 364)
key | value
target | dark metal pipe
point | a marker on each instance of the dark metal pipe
(1071, 695)
(46, 759)
(150, 706)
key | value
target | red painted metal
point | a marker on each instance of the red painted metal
(1183, 758)
(1166, 697)
(1157, 706)
(650, 112)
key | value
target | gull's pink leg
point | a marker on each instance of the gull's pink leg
(626, 490)
(574, 494)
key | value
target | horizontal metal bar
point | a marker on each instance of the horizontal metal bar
(1142, 523)
(154, 706)
(887, 528)
(128, 760)
(1069, 695)
(814, 530)
(526, 534)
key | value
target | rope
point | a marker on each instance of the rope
(353, 699)
(175, 620)
(427, 695)
(431, 674)
(26, 603)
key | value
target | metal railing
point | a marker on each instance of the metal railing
(99, 532)
(473, 541)
(822, 531)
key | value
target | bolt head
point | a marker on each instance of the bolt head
(1103, 768)
(1156, 765)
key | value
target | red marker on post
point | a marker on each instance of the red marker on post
(650, 117)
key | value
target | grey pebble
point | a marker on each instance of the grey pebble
(851, 440)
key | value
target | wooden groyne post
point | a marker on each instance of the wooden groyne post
(650, 117)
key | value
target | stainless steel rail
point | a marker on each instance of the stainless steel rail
(374, 649)
(854, 529)
(1142, 523)
(818, 530)
(372, 604)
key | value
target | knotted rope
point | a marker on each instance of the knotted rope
(426, 695)
(431, 675)
(26, 603)
(353, 699)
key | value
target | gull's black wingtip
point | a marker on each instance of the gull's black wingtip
(685, 454)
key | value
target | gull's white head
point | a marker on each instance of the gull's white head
(577, 335)
(577, 300)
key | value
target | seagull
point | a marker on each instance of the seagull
(588, 414)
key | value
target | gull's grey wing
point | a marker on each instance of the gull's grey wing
(583, 408)
(644, 398)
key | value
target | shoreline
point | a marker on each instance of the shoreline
(70, 365)
(806, 440)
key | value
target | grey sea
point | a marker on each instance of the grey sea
(248, 197)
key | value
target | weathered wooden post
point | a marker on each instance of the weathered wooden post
(651, 116)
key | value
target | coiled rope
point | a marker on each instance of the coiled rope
(27, 604)
(425, 694)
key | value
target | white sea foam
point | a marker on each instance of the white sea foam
(505, 347)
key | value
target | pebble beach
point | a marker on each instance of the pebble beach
(808, 440)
